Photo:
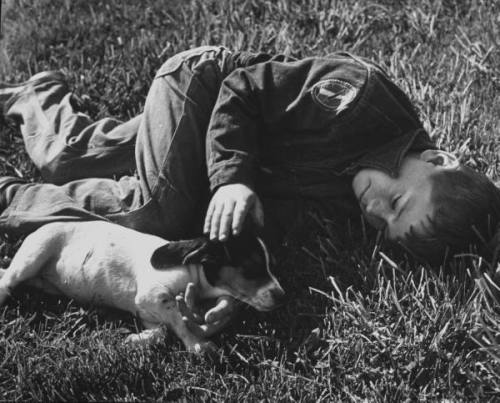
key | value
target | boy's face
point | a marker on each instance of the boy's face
(395, 205)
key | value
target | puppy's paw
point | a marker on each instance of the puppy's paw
(147, 337)
(205, 348)
(134, 339)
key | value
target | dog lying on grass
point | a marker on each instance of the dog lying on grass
(101, 263)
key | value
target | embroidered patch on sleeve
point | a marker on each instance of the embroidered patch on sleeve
(334, 95)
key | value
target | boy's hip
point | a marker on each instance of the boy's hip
(194, 60)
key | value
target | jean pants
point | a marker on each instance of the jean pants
(86, 165)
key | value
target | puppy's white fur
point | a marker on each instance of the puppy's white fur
(105, 264)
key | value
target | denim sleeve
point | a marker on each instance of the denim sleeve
(257, 100)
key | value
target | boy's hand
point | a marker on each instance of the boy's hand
(213, 321)
(228, 209)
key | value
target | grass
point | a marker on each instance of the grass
(361, 323)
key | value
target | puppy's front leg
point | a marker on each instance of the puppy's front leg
(35, 251)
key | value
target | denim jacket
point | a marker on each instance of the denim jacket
(296, 127)
(294, 130)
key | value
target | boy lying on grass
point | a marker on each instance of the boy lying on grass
(246, 135)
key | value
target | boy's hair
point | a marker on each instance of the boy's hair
(466, 215)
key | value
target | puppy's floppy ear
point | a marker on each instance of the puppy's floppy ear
(178, 252)
(197, 254)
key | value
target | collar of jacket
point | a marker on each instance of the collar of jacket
(388, 157)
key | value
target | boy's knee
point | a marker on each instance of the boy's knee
(59, 169)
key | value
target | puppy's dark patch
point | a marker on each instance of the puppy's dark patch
(245, 252)
(249, 252)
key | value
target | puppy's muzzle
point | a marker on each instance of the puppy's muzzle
(278, 296)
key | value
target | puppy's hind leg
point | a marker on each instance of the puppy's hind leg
(35, 251)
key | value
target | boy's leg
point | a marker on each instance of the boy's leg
(170, 198)
(170, 150)
(27, 206)
(63, 143)
(66, 145)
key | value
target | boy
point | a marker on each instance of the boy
(245, 134)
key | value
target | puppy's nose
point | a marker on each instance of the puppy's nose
(279, 296)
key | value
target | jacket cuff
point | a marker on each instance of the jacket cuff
(229, 173)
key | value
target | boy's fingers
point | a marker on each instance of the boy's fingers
(208, 217)
(216, 327)
(239, 214)
(223, 309)
(190, 298)
(206, 330)
(226, 220)
(216, 318)
(186, 313)
(196, 329)
(214, 225)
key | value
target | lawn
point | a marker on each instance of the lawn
(362, 322)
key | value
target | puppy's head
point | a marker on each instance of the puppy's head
(240, 267)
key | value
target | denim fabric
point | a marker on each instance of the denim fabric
(269, 118)
(166, 195)
(213, 117)
(65, 144)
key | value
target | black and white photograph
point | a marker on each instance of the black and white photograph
(250, 200)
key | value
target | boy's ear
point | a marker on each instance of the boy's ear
(440, 158)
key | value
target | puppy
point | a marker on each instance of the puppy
(101, 263)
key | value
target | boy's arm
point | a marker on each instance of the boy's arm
(252, 102)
